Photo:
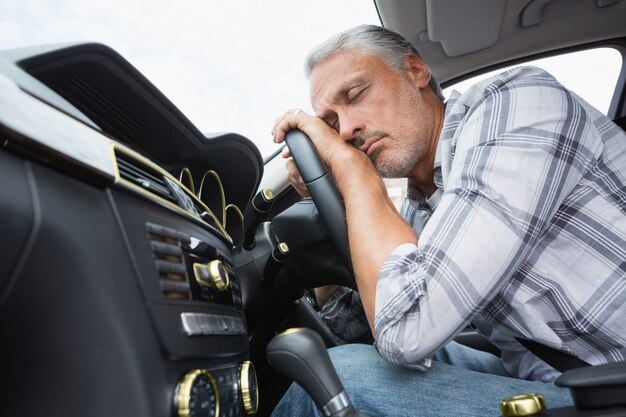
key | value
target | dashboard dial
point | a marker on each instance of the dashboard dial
(212, 275)
(219, 275)
(249, 387)
(197, 395)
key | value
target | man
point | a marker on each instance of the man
(515, 221)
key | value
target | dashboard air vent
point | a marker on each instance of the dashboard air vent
(143, 176)
(169, 261)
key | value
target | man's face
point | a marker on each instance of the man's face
(379, 109)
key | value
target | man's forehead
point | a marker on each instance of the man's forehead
(339, 71)
(342, 63)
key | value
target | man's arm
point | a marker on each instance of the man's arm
(511, 170)
(375, 228)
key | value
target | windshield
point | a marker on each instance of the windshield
(230, 66)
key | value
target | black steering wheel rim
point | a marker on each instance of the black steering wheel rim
(322, 188)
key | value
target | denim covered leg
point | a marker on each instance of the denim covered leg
(379, 388)
(464, 357)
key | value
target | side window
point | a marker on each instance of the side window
(592, 74)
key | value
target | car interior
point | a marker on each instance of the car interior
(148, 266)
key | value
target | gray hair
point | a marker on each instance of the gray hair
(370, 39)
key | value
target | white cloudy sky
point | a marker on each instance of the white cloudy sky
(228, 65)
(231, 65)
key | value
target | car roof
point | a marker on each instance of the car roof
(459, 37)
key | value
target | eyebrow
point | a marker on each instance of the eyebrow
(342, 93)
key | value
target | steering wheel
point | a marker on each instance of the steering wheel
(322, 188)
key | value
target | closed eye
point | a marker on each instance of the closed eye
(333, 123)
(357, 95)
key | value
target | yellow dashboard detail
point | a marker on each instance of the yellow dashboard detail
(220, 187)
(186, 171)
(238, 212)
(268, 194)
(249, 388)
(118, 148)
(196, 385)
(212, 274)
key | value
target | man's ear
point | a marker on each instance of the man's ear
(417, 70)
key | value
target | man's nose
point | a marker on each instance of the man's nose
(350, 128)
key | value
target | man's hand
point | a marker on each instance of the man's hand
(323, 294)
(322, 135)
(375, 228)
(330, 147)
(293, 175)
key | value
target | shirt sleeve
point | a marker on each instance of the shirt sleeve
(517, 155)
(343, 314)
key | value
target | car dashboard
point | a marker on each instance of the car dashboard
(119, 292)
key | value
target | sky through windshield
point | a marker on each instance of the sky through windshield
(230, 66)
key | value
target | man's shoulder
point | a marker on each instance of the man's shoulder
(509, 80)
(521, 73)
(516, 97)
(515, 81)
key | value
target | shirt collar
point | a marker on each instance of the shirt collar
(415, 195)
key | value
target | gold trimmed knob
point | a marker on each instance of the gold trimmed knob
(522, 405)
(219, 275)
(268, 194)
(197, 395)
(283, 252)
(213, 274)
(249, 387)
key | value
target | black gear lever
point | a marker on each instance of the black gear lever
(300, 354)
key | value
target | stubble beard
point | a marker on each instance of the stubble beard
(409, 146)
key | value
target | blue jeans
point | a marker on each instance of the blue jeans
(462, 382)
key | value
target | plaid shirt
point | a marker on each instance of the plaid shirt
(526, 234)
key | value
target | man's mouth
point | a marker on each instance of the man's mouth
(368, 147)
